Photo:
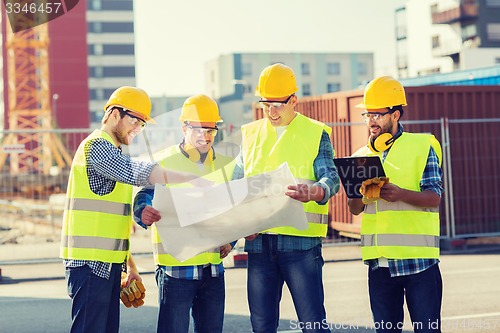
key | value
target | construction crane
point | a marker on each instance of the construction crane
(29, 103)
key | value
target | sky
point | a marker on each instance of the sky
(174, 39)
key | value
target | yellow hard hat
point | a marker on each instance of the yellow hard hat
(383, 92)
(276, 81)
(200, 108)
(132, 99)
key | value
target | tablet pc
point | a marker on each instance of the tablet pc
(354, 170)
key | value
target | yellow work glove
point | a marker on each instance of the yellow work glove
(134, 294)
(370, 189)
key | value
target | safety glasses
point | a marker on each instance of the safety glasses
(202, 131)
(267, 104)
(375, 116)
(133, 120)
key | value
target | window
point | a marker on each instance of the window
(95, 5)
(98, 49)
(333, 68)
(469, 31)
(493, 3)
(118, 27)
(247, 108)
(435, 42)
(95, 27)
(497, 60)
(118, 49)
(248, 89)
(99, 94)
(247, 69)
(362, 68)
(306, 89)
(119, 71)
(306, 69)
(95, 71)
(333, 87)
(493, 31)
(117, 5)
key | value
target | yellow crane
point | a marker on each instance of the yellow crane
(29, 103)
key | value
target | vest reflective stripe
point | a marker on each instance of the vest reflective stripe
(263, 151)
(384, 206)
(173, 158)
(101, 243)
(95, 227)
(399, 230)
(100, 206)
(400, 240)
(317, 218)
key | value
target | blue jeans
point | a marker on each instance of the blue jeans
(95, 304)
(423, 292)
(177, 297)
(302, 272)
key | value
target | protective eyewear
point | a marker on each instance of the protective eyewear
(202, 131)
(133, 120)
(267, 104)
(375, 116)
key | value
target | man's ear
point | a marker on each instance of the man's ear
(397, 115)
(294, 100)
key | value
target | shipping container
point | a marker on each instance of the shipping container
(465, 119)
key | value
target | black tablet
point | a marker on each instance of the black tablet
(354, 170)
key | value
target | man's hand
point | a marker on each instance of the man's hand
(305, 193)
(370, 188)
(224, 250)
(150, 215)
(392, 193)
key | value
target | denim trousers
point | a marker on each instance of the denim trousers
(178, 297)
(423, 292)
(95, 306)
(301, 271)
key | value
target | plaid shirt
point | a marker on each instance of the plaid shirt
(326, 172)
(431, 180)
(106, 165)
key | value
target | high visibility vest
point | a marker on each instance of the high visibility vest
(398, 230)
(95, 227)
(299, 144)
(219, 171)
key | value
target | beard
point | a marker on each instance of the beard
(121, 134)
(385, 128)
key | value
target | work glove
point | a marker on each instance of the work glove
(134, 294)
(370, 189)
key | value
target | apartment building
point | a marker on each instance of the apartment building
(446, 35)
(111, 51)
(232, 78)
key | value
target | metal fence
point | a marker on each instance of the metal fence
(471, 160)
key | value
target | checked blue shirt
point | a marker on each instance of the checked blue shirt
(326, 172)
(106, 165)
(431, 180)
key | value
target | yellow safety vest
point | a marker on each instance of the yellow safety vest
(397, 230)
(219, 171)
(263, 151)
(95, 227)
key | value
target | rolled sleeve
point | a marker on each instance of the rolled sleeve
(325, 170)
(142, 199)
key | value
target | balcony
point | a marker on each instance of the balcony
(448, 48)
(467, 11)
